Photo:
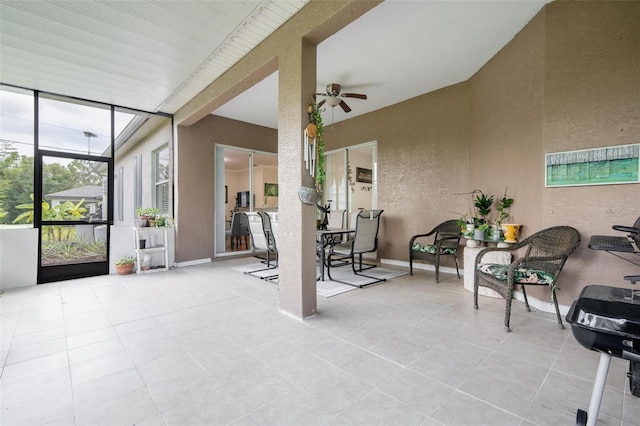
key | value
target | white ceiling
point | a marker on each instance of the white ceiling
(156, 55)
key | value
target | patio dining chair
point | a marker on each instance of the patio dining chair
(262, 238)
(365, 240)
(337, 219)
(545, 256)
(444, 242)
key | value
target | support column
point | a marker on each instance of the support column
(297, 221)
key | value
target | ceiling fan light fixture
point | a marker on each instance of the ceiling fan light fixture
(333, 101)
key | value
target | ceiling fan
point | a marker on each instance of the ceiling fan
(334, 97)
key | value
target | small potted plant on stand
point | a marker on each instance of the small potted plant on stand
(510, 230)
(147, 216)
(124, 265)
(482, 203)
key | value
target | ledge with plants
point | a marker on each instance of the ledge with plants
(479, 224)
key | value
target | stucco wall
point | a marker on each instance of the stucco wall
(195, 177)
(423, 164)
(569, 80)
(592, 99)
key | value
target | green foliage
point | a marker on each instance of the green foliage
(503, 205)
(316, 118)
(483, 203)
(16, 181)
(126, 260)
(70, 250)
(149, 212)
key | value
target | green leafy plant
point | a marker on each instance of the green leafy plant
(316, 117)
(482, 203)
(164, 221)
(148, 212)
(504, 203)
(126, 260)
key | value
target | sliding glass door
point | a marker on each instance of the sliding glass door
(351, 182)
(245, 180)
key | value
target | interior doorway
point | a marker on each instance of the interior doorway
(245, 180)
(351, 179)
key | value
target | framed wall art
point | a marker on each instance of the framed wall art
(597, 166)
(364, 175)
(270, 189)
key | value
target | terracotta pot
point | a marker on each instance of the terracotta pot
(124, 269)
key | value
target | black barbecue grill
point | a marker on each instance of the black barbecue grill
(607, 320)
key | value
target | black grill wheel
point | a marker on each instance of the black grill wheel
(634, 378)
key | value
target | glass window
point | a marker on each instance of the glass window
(16, 156)
(71, 126)
(73, 189)
(161, 166)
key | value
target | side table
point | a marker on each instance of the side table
(470, 254)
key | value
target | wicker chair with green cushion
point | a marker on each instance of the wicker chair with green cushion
(445, 241)
(545, 256)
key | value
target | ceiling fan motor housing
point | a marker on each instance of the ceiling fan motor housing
(333, 89)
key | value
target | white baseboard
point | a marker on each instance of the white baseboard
(423, 266)
(192, 262)
(534, 303)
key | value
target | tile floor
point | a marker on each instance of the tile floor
(206, 345)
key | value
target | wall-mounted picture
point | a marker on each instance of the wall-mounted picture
(364, 175)
(598, 166)
(270, 189)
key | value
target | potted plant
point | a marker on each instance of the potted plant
(164, 221)
(482, 203)
(503, 204)
(147, 215)
(124, 265)
(480, 232)
(466, 225)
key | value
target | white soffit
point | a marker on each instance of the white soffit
(148, 55)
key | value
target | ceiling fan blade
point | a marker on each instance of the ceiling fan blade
(354, 95)
(321, 103)
(344, 106)
(321, 94)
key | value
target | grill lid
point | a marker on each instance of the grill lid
(609, 310)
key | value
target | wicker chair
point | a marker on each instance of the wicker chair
(545, 256)
(446, 238)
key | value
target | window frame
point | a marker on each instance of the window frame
(155, 163)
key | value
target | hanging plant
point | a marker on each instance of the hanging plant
(313, 154)
(316, 118)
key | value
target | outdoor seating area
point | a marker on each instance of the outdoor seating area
(208, 345)
(545, 256)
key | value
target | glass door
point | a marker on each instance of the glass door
(351, 179)
(74, 176)
(246, 181)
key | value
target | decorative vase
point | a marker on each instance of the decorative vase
(478, 234)
(510, 232)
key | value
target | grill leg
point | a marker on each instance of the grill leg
(598, 388)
